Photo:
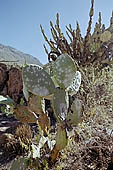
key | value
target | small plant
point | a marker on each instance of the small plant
(24, 134)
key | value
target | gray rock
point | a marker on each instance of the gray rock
(11, 56)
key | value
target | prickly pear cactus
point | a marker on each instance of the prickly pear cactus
(64, 70)
(75, 114)
(59, 104)
(61, 142)
(37, 81)
(73, 88)
(61, 138)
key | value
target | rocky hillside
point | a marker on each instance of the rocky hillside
(9, 76)
(11, 56)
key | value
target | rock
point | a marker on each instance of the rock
(15, 85)
(3, 75)
(11, 61)
(12, 56)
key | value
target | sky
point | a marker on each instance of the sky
(20, 21)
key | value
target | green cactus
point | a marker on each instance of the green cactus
(64, 70)
(75, 114)
(37, 81)
(61, 142)
(61, 138)
(56, 81)
(75, 84)
(59, 104)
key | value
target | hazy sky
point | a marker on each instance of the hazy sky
(20, 20)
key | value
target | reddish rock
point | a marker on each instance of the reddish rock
(15, 85)
(3, 75)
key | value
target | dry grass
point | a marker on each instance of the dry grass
(91, 143)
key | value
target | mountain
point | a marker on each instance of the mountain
(11, 55)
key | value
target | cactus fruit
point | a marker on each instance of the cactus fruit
(64, 70)
(75, 114)
(37, 81)
(59, 104)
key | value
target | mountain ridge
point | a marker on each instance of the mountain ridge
(13, 56)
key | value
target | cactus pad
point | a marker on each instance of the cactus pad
(64, 70)
(75, 84)
(59, 104)
(75, 113)
(25, 92)
(61, 142)
(37, 81)
(61, 138)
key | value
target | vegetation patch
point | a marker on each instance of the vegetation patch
(65, 108)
